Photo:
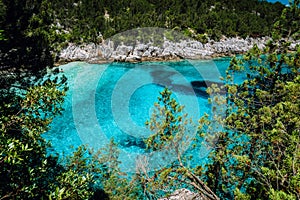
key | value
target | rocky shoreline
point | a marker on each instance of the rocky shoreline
(108, 51)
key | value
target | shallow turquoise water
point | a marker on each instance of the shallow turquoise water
(114, 101)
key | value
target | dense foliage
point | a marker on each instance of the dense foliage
(29, 102)
(89, 20)
(25, 49)
(258, 152)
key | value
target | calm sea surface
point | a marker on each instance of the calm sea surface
(115, 100)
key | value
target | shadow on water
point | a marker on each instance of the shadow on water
(129, 141)
(200, 87)
(164, 78)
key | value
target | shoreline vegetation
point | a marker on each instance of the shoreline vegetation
(111, 51)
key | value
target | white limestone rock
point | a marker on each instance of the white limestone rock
(183, 194)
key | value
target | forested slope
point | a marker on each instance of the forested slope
(84, 20)
(47, 26)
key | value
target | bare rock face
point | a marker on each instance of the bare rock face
(183, 194)
(168, 50)
(133, 58)
(293, 45)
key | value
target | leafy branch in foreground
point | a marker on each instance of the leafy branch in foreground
(171, 129)
(257, 154)
(25, 167)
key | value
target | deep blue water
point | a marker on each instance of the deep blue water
(115, 100)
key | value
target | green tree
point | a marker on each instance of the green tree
(29, 100)
(288, 24)
(167, 123)
(24, 164)
(257, 152)
(170, 127)
(25, 52)
(116, 184)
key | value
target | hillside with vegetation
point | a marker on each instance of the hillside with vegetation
(263, 110)
(48, 26)
(86, 20)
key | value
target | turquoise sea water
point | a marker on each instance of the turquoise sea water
(114, 101)
(284, 2)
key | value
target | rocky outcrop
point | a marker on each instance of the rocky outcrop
(184, 194)
(168, 50)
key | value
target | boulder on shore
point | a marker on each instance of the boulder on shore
(184, 194)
